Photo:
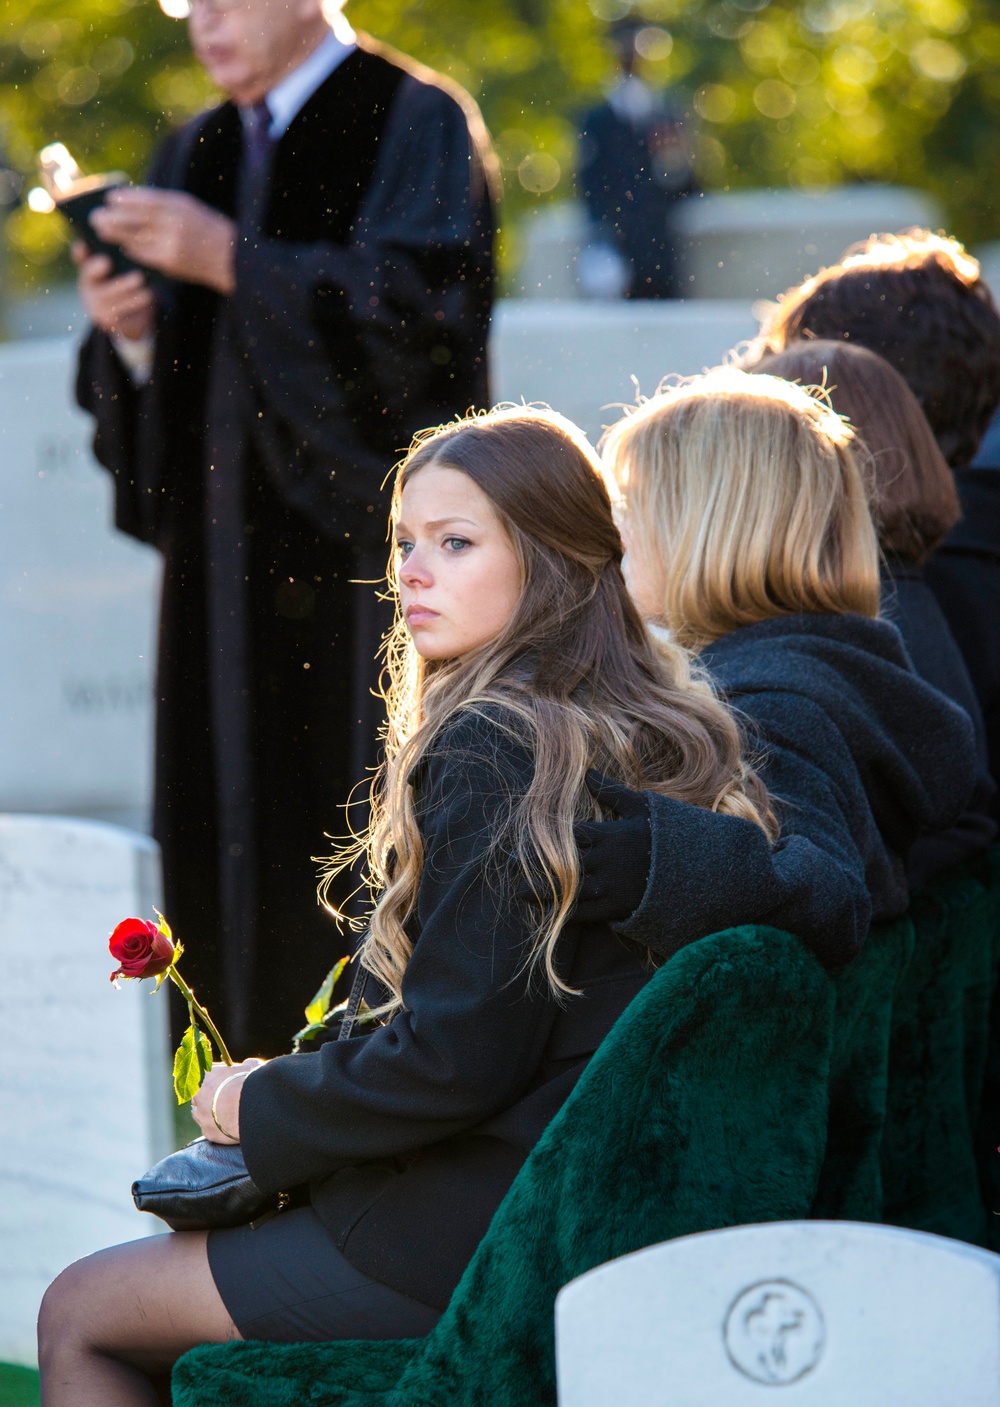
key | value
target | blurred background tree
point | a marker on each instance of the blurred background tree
(809, 93)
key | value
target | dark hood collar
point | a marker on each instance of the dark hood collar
(914, 748)
(877, 638)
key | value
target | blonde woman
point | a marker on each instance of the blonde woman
(518, 662)
(744, 509)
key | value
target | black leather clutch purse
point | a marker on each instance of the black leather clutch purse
(203, 1187)
(206, 1186)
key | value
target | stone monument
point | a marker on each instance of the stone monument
(757, 243)
(742, 244)
(77, 608)
(85, 1094)
(819, 1314)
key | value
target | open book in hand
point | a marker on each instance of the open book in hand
(75, 195)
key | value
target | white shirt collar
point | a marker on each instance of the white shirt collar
(287, 98)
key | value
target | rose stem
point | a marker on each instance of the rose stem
(195, 1005)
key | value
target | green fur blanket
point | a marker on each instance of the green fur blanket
(742, 1085)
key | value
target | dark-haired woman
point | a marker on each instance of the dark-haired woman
(518, 663)
(919, 299)
(915, 505)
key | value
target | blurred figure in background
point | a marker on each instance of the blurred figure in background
(918, 300)
(634, 167)
(322, 251)
(915, 506)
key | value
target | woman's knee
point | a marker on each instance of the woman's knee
(145, 1303)
(63, 1315)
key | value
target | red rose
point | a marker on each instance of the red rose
(142, 949)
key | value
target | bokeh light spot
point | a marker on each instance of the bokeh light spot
(854, 64)
(774, 98)
(715, 102)
(539, 172)
(654, 44)
(40, 201)
(939, 60)
(77, 86)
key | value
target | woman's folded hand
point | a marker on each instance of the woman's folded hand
(215, 1110)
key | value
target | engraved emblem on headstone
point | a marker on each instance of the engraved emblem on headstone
(774, 1332)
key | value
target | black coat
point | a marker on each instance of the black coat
(964, 574)
(912, 607)
(860, 756)
(409, 1136)
(255, 461)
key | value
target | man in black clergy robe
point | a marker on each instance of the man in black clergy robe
(319, 288)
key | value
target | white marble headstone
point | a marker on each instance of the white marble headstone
(85, 1094)
(78, 604)
(587, 359)
(816, 1314)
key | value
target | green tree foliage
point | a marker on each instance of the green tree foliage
(107, 77)
(803, 92)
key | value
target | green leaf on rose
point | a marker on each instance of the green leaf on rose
(192, 1063)
(320, 1004)
(304, 1038)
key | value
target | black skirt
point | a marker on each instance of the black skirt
(286, 1282)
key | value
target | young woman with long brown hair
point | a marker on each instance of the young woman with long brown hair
(518, 663)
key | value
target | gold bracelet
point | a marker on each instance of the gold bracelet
(240, 1075)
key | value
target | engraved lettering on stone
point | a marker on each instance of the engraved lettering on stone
(113, 694)
(774, 1332)
(55, 454)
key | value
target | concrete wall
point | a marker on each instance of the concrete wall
(732, 245)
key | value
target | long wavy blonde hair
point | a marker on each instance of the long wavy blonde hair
(575, 677)
(742, 498)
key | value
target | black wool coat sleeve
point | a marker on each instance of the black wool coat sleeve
(473, 1029)
(105, 389)
(860, 757)
(128, 418)
(709, 871)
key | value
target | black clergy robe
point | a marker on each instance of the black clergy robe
(255, 460)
